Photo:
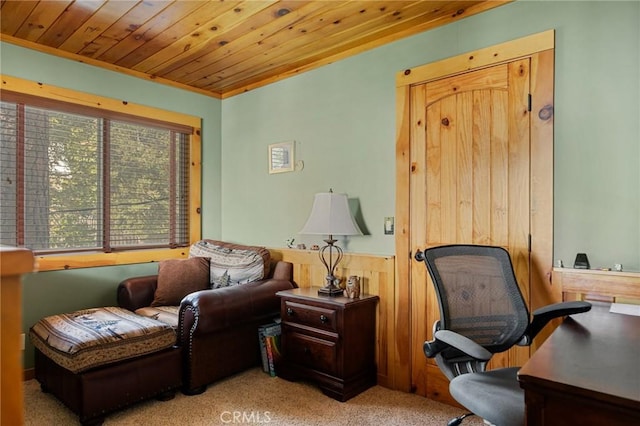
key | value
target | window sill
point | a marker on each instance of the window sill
(60, 262)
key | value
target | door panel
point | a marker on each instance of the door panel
(469, 184)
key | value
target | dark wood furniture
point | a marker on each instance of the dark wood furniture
(586, 373)
(95, 393)
(328, 340)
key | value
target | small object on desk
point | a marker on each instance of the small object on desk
(353, 287)
(301, 247)
(625, 308)
(581, 262)
(618, 267)
(290, 242)
(315, 247)
(559, 263)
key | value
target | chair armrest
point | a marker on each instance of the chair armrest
(137, 292)
(444, 339)
(545, 314)
(208, 311)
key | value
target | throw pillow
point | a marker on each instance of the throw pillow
(232, 264)
(179, 277)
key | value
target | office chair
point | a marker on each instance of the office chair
(482, 312)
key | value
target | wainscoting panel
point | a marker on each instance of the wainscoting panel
(377, 276)
(594, 284)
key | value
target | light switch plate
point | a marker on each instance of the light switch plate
(388, 225)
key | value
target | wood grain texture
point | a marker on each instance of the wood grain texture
(470, 175)
(519, 188)
(13, 263)
(402, 292)
(579, 284)
(377, 277)
(586, 372)
(542, 292)
(220, 48)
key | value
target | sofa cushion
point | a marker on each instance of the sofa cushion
(89, 338)
(165, 314)
(232, 264)
(179, 277)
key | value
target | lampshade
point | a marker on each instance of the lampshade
(330, 215)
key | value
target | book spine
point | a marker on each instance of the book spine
(263, 349)
(272, 367)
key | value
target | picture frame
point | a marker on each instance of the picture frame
(281, 157)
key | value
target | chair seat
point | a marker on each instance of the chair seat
(494, 395)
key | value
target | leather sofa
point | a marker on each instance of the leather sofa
(217, 329)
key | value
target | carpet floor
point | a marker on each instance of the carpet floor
(255, 397)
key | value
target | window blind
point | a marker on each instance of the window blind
(73, 182)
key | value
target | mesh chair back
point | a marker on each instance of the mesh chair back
(478, 294)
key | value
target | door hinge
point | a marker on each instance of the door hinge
(529, 105)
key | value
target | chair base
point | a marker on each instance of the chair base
(457, 420)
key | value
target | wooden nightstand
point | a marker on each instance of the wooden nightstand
(328, 340)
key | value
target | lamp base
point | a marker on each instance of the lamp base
(330, 288)
(330, 291)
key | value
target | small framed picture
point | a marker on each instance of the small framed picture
(281, 157)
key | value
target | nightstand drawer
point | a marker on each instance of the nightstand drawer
(313, 316)
(310, 351)
(328, 340)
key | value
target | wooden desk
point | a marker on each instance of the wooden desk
(586, 373)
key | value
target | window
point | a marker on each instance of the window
(75, 178)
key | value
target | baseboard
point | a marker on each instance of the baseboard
(29, 374)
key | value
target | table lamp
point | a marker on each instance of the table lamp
(330, 215)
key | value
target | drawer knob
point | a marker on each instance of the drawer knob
(290, 312)
(324, 319)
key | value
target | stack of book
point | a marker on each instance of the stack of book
(269, 337)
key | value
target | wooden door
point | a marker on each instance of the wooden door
(469, 184)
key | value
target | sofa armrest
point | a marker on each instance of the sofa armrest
(137, 292)
(282, 271)
(208, 311)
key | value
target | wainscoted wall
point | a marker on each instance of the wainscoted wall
(594, 284)
(377, 276)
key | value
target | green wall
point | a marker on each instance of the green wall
(47, 293)
(342, 117)
(31, 65)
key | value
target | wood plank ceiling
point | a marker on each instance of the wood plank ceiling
(219, 48)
